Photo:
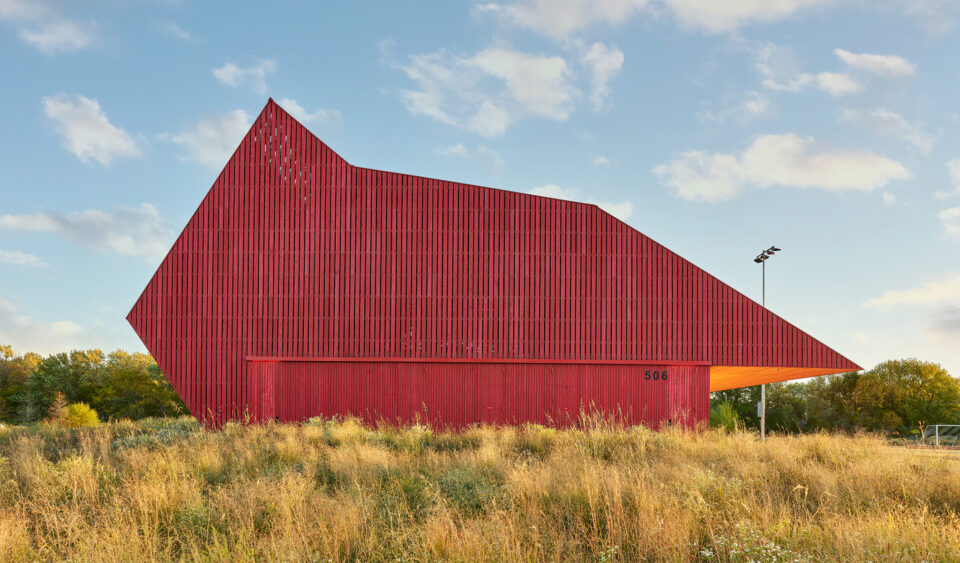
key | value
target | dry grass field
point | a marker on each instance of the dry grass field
(169, 490)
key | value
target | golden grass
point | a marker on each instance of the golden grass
(165, 490)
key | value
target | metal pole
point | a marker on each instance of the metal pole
(937, 427)
(763, 386)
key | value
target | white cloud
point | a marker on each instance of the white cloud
(943, 291)
(254, 76)
(17, 258)
(485, 93)
(600, 160)
(776, 160)
(57, 36)
(779, 68)
(756, 104)
(604, 63)
(889, 199)
(947, 322)
(891, 123)
(320, 116)
(447, 86)
(940, 298)
(43, 28)
(483, 154)
(213, 140)
(26, 334)
(453, 150)
(890, 66)
(621, 210)
(86, 130)
(937, 17)
(128, 231)
(729, 15)
(560, 18)
(563, 18)
(837, 84)
(540, 85)
(790, 160)
(173, 29)
(752, 105)
(13, 10)
(700, 176)
(489, 121)
(950, 218)
(781, 72)
(953, 167)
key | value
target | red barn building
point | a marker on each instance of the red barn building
(306, 286)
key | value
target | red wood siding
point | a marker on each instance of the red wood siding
(296, 253)
(460, 393)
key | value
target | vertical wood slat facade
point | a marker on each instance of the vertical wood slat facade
(295, 253)
(462, 392)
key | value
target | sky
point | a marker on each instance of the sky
(828, 128)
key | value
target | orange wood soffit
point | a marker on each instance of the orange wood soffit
(731, 377)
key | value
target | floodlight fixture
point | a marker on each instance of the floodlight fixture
(762, 259)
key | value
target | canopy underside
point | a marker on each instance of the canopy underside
(732, 377)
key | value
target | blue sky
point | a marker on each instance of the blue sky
(826, 127)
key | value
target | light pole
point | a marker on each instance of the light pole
(762, 260)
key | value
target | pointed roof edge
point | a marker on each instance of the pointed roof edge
(268, 105)
(272, 104)
(850, 362)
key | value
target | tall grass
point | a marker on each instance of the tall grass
(162, 490)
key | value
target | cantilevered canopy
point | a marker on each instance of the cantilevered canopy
(732, 377)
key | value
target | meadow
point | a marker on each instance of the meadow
(167, 489)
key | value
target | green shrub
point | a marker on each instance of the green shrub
(80, 415)
(725, 416)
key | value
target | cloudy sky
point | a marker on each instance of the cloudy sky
(830, 128)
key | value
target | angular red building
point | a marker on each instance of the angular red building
(306, 286)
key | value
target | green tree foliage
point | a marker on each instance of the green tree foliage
(135, 388)
(14, 372)
(78, 375)
(787, 407)
(724, 415)
(117, 385)
(743, 401)
(895, 397)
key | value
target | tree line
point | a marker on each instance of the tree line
(897, 397)
(115, 385)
